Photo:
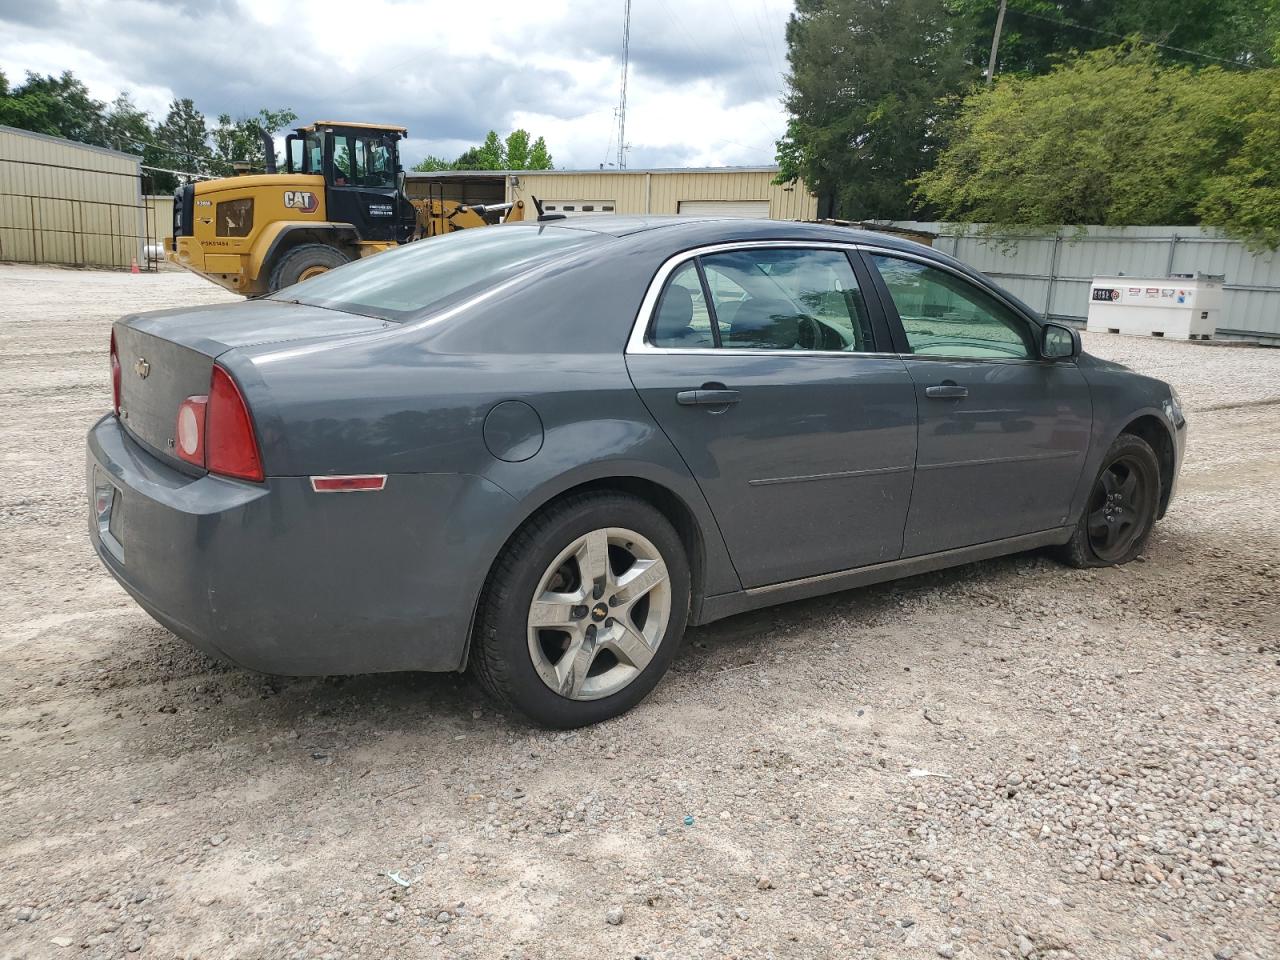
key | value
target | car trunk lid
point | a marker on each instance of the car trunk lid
(168, 356)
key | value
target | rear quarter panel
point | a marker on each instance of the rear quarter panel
(413, 400)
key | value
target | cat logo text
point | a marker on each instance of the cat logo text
(303, 200)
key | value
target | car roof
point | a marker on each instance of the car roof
(682, 230)
(677, 233)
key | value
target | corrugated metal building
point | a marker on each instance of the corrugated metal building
(67, 202)
(718, 191)
(1052, 269)
(159, 218)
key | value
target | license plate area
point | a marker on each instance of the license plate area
(108, 508)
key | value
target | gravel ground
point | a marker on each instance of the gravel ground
(1012, 759)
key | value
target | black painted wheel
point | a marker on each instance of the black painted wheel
(303, 263)
(1122, 506)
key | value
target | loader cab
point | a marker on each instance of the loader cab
(360, 164)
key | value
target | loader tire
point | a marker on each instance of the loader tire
(303, 263)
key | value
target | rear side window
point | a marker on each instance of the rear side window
(683, 320)
(944, 315)
(765, 299)
(419, 276)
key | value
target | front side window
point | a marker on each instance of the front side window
(945, 315)
(765, 299)
(296, 153)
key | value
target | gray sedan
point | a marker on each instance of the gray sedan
(541, 451)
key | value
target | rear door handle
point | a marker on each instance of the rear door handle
(946, 391)
(707, 398)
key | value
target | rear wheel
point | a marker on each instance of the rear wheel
(303, 263)
(1121, 510)
(583, 612)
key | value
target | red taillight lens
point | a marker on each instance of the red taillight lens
(115, 375)
(230, 446)
(190, 432)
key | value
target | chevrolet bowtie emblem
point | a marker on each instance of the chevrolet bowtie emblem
(142, 368)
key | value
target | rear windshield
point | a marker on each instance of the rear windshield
(409, 281)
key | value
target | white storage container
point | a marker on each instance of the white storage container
(1177, 308)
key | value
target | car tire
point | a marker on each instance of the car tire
(302, 263)
(517, 662)
(1121, 510)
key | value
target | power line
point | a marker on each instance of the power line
(1123, 36)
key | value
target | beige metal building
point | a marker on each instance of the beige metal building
(717, 191)
(159, 208)
(67, 202)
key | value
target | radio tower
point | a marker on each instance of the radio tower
(622, 99)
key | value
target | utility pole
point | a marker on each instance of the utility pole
(622, 99)
(995, 41)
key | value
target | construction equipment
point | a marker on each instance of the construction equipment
(341, 197)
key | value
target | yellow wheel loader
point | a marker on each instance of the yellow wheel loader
(340, 197)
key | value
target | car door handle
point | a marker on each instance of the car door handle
(946, 391)
(707, 398)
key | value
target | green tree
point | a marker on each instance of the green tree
(59, 106)
(866, 98)
(539, 156)
(432, 164)
(1244, 197)
(1116, 136)
(180, 142)
(513, 153)
(235, 140)
(125, 127)
(516, 151)
(492, 154)
(1038, 33)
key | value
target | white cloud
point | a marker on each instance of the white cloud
(704, 87)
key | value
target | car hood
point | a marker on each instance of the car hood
(1097, 363)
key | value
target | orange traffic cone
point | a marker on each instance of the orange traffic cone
(133, 268)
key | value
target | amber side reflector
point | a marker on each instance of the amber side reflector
(350, 483)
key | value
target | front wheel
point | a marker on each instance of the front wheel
(584, 611)
(1121, 510)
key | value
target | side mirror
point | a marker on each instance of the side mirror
(1059, 342)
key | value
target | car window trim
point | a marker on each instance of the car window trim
(707, 301)
(898, 330)
(638, 342)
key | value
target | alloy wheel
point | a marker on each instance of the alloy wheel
(599, 613)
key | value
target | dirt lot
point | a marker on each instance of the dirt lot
(1012, 759)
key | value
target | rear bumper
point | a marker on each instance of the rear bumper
(277, 578)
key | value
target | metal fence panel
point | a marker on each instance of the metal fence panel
(1052, 271)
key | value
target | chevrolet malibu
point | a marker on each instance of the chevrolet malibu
(541, 451)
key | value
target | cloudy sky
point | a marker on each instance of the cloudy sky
(705, 81)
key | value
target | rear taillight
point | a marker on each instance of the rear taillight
(231, 448)
(115, 375)
(216, 432)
